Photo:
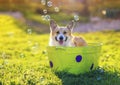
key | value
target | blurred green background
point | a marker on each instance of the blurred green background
(38, 12)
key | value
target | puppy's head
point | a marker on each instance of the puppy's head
(60, 34)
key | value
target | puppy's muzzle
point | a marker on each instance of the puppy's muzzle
(61, 38)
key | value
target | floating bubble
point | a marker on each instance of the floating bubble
(101, 70)
(43, 17)
(49, 3)
(104, 12)
(3, 55)
(99, 78)
(56, 9)
(5, 62)
(47, 17)
(22, 55)
(42, 80)
(29, 42)
(29, 31)
(10, 34)
(76, 17)
(1, 66)
(45, 11)
(35, 48)
(43, 2)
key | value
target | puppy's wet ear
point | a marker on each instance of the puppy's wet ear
(70, 25)
(53, 25)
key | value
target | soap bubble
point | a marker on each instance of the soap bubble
(99, 78)
(49, 3)
(47, 17)
(3, 55)
(76, 17)
(43, 17)
(1, 66)
(22, 55)
(43, 2)
(45, 11)
(29, 42)
(10, 34)
(101, 70)
(104, 12)
(29, 31)
(35, 48)
(56, 9)
(42, 80)
(5, 62)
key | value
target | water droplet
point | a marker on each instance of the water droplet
(45, 11)
(57, 9)
(43, 2)
(76, 17)
(49, 3)
(29, 31)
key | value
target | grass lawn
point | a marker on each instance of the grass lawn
(23, 58)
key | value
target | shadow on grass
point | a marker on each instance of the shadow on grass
(95, 77)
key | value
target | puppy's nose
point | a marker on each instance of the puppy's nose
(61, 38)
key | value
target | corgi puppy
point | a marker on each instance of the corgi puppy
(62, 36)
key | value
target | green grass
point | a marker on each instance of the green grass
(24, 61)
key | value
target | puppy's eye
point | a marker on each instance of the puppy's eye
(57, 32)
(64, 32)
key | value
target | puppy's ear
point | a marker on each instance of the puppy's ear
(53, 25)
(70, 25)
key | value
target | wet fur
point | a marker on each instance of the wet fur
(69, 39)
